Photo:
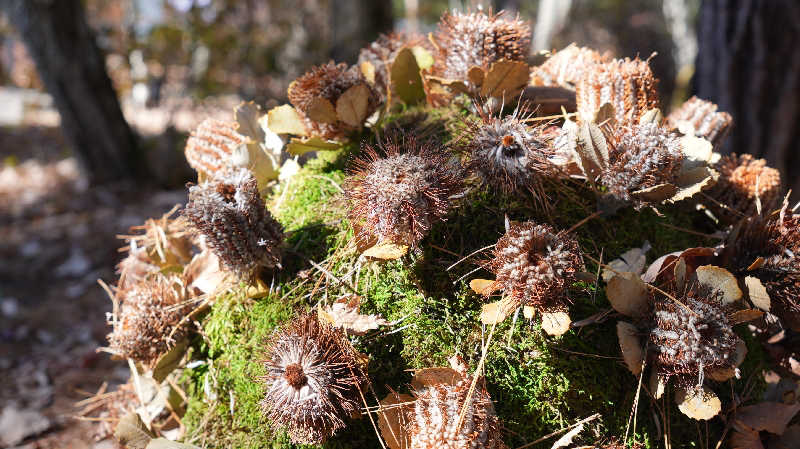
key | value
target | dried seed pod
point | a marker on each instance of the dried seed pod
(381, 54)
(628, 85)
(146, 313)
(477, 39)
(694, 336)
(742, 179)
(506, 153)
(534, 265)
(397, 196)
(641, 156)
(433, 420)
(565, 67)
(700, 118)
(327, 83)
(209, 148)
(230, 214)
(313, 380)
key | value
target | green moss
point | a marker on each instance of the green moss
(539, 383)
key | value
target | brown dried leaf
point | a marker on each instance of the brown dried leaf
(132, 433)
(631, 261)
(555, 323)
(656, 194)
(528, 312)
(300, 146)
(628, 295)
(205, 274)
(284, 119)
(592, 149)
(505, 79)
(483, 286)
(368, 70)
(651, 116)
(605, 116)
(352, 107)
(386, 251)
(758, 263)
(789, 440)
(321, 110)
(631, 346)
(758, 293)
(694, 181)
(772, 417)
(391, 419)
(497, 311)
(345, 313)
(406, 78)
(745, 439)
(167, 363)
(723, 374)
(475, 76)
(657, 384)
(701, 404)
(163, 443)
(743, 316)
(435, 376)
(263, 165)
(721, 280)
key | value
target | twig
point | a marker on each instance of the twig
(552, 434)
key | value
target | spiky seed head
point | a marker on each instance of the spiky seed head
(328, 81)
(703, 119)
(534, 265)
(313, 380)
(694, 336)
(397, 192)
(506, 153)
(230, 214)
(628, 85)
(433, 420)
(742, 178)
(147, 313)
(565, 67)
(641, 156)
(209, 148)
(477, 39)
(381, 54)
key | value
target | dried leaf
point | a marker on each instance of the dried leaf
(505, 79)
(700, 404)
(758, 293)
(284, 119)
(321, 110)
(723, 374)
(132, 433)
(592, 149)
(163, 443)
(262, 163)
(745, 439)
(483, 286)
(435, 376)
(205, 274)
(391, 420)
(555, 323)
(528, 312)
(656, 194)
(475, 76)
(758, 263)
(657, 384)
(300, 146)
(651, 116)
(679, 272)
(386, 251)
(772, 417)
(497, 311)
(345, 313)
(368, 70)
(628, 295)
(696, 153)
(631, 261)
(789, 440)
(566, 440)
(631, 346)
(167, 363)
(423, 57)
(693, 182)
(743, 316)
(605, 116)
(352, 107)
(406, 78)
(721, 280)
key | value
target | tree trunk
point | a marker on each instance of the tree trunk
(356, 23)
(73, 70)
(749, 64)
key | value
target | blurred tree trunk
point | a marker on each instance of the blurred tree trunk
(356, 23)
(73, 71)
(749, 64)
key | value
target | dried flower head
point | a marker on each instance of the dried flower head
(313, 380)
(433, 420)
(628, 85)
(565, 67)
(743, 179)
(700, 118)
(328, 82)
(477, 39)
(535, 265)
(508, 154)
(209, 148)
(641, 156)
(230, 214)
(694, 336)
(146, 313)
(396, 197)
(381, 54)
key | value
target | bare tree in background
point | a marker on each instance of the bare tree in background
(749, 64)
(73, 71)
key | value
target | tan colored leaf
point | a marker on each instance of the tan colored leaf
(132, 433)
(497, 311)
(167, 363)
(696, 152)
(423, 57)
(555, 323)
(163, 443)
(651, 116)
(701, 404)
(368, 70)
(205, 273)
(475, 76)
(772, 417)
(592, 150)
(743, 316)
(505, 79)
(391, 419)
(631, 261)
(528, 312)
(427, 377)
(321, 110)
(628, 295)
(631, 346)
(694, 181)
(657, 384)
(566, 439)
(656, 194)
(386, 251)
(605, 116)
(758, 293)
(300, 146)
(345, 313)
(284, 119)
(406, 78)
(352, 107)
(254, 156)
(721, 280)
(758, 263)
(483, 286)
(679, 271)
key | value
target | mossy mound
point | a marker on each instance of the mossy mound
(539, 383)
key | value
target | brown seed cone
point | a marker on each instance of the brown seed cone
(628, 85)
(328, 81)
(313, 380)
(211, 145)
(734, 194)
(535, 266)
(565, 67)
(688, 343)
(467, 40)
(381, 54)
(397, 196)
(230, 214)
(703, 118)
(147, 313)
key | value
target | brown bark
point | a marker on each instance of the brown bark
(73, 71)
(749, 64)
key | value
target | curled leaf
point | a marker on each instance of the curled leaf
(657, 384)
(721, 280)
(592, 149)
(131, 432)
(700, 404)
(758, 293)
(631, 346)
(628, 295)
(435, 376)
(631, 261)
